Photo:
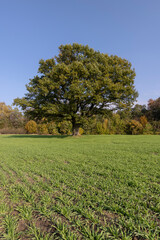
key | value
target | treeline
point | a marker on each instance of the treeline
(140, 119)
(11, 120)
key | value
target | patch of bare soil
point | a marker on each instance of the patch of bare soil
(22, 225)
(44, 225)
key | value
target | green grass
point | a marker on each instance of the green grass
(92, 187)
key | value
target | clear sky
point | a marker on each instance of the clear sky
(34, 29)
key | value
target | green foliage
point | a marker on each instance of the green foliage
(10, 118)
(5, 112)
(81, 131)
(65, 127)
(99, 125)
(89, 125)
(155, 126)
(10, 227)
(16, 119)
(154, 109)
(143, 121)
(105, 125)
(117, 125)
(148, 129)
(31, 127)
(79, 83)
(52, 128)
(42, 128)
(99, 128)
(137, 111)
(134, 127)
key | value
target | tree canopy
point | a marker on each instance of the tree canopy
(77, 84)
(154, 109)
(10, 117)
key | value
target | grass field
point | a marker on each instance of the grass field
(92, 187)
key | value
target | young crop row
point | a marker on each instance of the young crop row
(93, 187)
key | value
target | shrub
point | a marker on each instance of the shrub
(42, 129)
(52, 128)
(156, 126)
(148, 129)
(12, 131)
(81, 131)
(134, 127)
(65, 127)
(99, 128)
(16, 119)
(105, 125)
(117, 125)
(157, 133)
(143, 121)
(31, 127)
(89, 125)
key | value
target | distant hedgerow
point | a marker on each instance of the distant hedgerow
(12, 131)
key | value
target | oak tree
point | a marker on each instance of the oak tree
(78, 83)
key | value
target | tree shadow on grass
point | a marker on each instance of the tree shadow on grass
(38, 136)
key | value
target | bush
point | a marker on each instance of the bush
(31, 127)
(89, 125)
(117, 125)
(105, 126)
(16, 119)
(99, 128)
(65, 127)
(143, 121)
(81, 131)
(52, 128)
(42, 129)
(157, 133)
(156, 126)
(134, 127)
(12, 131)
(148, 129)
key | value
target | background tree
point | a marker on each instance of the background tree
(143, 121)
(154, 109)
(10, 118)
(134, 127)
(16, 119)
(138, 111)
(77, 84)
(5, 112)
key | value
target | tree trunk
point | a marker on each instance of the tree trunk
(75, 128)
(76, 131)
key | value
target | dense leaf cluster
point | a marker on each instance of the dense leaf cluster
(79, 83)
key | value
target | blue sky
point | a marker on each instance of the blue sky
(34, 29)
